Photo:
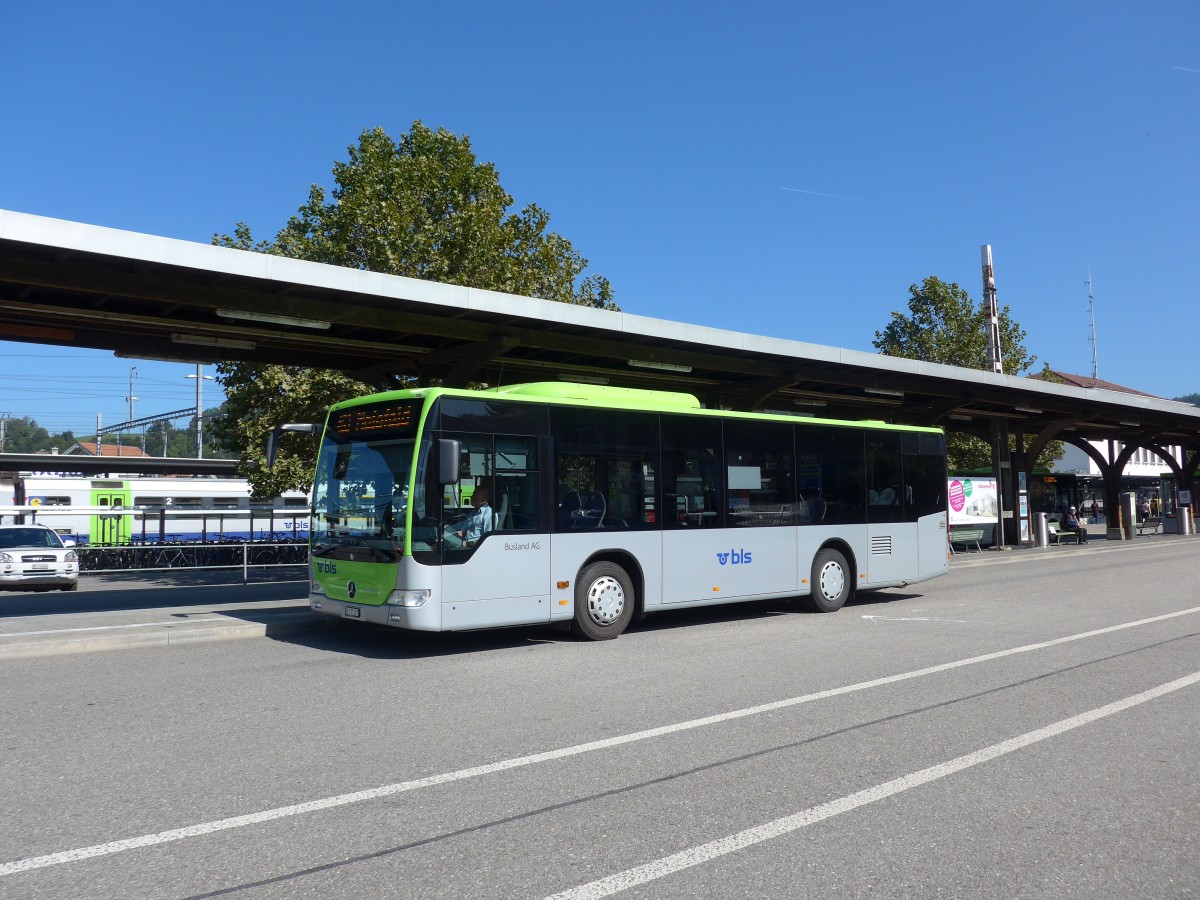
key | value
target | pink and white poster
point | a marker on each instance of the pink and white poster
(972, 500)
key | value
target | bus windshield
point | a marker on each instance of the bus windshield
(360, 497)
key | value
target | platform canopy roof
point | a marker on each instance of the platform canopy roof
(142, 296)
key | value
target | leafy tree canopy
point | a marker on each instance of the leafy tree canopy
(25, 435)
(1193, 399)
(267, 396)
(944, 325)
(421, 206)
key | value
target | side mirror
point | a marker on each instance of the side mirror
(277, 433)
(448, 454)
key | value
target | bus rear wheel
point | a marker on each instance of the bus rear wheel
(832, 581)
(604, 601)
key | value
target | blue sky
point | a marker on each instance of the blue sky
(777, 168)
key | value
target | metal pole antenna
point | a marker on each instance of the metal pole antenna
(995, 360)
(1092, 315)
(1001, 460)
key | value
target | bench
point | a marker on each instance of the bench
(966, 537)
(1059, 536)
(1153, 524)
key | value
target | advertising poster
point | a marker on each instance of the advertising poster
(972, 501)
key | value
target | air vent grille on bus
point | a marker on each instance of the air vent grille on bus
(881, 545)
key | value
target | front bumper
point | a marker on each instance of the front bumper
(26, 580)
(425, 618)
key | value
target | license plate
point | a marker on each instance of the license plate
(354, 612)
(39, 566)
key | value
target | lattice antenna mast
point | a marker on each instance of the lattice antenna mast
(1092, 316)
(995, 360)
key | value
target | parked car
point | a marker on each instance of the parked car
(34, 557)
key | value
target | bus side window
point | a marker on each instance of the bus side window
(924, 475)
(885, 497)
(604, 469)
(760, 475)
(516, 499)
(832, 469)
(692, 472)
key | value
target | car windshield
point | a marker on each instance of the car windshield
(28, 537)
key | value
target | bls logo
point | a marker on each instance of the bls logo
(734, 557)
(329, 568)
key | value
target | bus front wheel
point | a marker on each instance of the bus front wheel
(832, 581)
(603, 601)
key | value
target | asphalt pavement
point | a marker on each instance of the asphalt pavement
(117, 611)
(120, 612)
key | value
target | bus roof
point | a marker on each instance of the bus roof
(607, 397)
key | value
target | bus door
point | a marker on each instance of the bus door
(111, 527)
(499, 574)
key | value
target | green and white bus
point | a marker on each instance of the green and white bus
(608, 504)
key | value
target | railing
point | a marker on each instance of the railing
(173, 555)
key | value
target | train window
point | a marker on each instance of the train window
(56, 501)
(225, 502)
(188, 502)
(296, 501)
(149, 501)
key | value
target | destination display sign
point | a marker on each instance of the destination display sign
(393, 417)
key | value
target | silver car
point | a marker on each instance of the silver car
(34, 557)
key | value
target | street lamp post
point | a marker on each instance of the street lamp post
(131, 398)
(200, 379)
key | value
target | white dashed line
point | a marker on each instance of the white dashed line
(694, 856)
(312, 806)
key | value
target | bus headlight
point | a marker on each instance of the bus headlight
(410, 599)
(314, 586)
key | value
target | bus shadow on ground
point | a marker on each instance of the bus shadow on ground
(371, 641)
(378, 642)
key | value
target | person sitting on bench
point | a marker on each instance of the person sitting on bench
(1070, 522)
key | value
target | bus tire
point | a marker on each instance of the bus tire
(604, 601)
(832, 581)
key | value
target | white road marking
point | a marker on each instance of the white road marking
(914, 619)
(19, 634)
(177, 834)
(694, 856)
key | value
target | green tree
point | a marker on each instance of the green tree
(944, 325)
(422, 206)
(25, 435)
(260, 397)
